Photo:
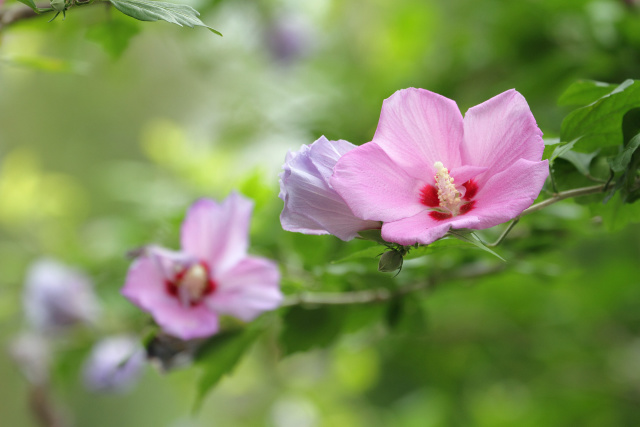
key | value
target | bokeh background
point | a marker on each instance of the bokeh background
(104, 142)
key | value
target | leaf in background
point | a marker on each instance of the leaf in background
(374, 235)
(474, 240)
(549, 147)
(622, 160)
(436, 246)
(368, 253)
(560, 150)
(30, 3)
(600, 123)
(144, 10)
(219, 355)
(585, 92)
(616, 214)
(406, 315)
(581, 161)
(114, 35)
(307, 328)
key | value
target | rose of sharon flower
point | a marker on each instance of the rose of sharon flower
(185, 291)
(428, 170)
(115, 364)
(311, 205)
(57, 297)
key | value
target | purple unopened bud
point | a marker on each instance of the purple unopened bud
(114, 365)
(57, 297)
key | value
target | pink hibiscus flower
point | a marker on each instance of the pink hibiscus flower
(428, 170)
(186, 291)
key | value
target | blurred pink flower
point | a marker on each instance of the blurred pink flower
(186, 291)
(311, 205)
(428, 170)
(57, 297)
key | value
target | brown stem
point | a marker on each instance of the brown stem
(43, 408)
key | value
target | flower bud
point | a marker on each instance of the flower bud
(57, 297)
(390, 261)
(114, 365)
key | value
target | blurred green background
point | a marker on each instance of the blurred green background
(103, 145)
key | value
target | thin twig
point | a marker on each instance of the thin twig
(504, 233)
(382, 295)
(585, 191)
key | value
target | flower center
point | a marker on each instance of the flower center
(444, 197)
(448, 196)
(191, 284)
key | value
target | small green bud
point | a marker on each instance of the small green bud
(58, 5)
(390, 261)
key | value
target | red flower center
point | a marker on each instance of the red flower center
(445, 200)
(191, 284)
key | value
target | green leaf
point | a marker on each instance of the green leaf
(114, 35)
(474, 240)
(368, 253)
(436, 246)
(585, 92)
(30, 3)
(406, 315)
(374, 235)
(560, 150)
(617, 214)
(219, 355)
(582, 161)
(622, 160)
(307, 328)
(549, 147)
(145, 10)
(600, 123)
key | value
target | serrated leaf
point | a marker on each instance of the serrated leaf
(474, 240)
(145, 10)
(219, 355)
(585, 92)
(600, 123)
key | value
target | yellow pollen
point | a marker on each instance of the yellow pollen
(448, 196)
(193, 283)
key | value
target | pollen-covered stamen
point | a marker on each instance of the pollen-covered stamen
(444, 198)
(448, 196)
(191, 284)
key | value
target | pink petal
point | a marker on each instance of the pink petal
(508, 193)
(418, 128)
(218, 234)
(462, 174)
(500, 131)
(423, 229)
(375, 187)
(311, 205)
(248, 289)
(145, 287)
